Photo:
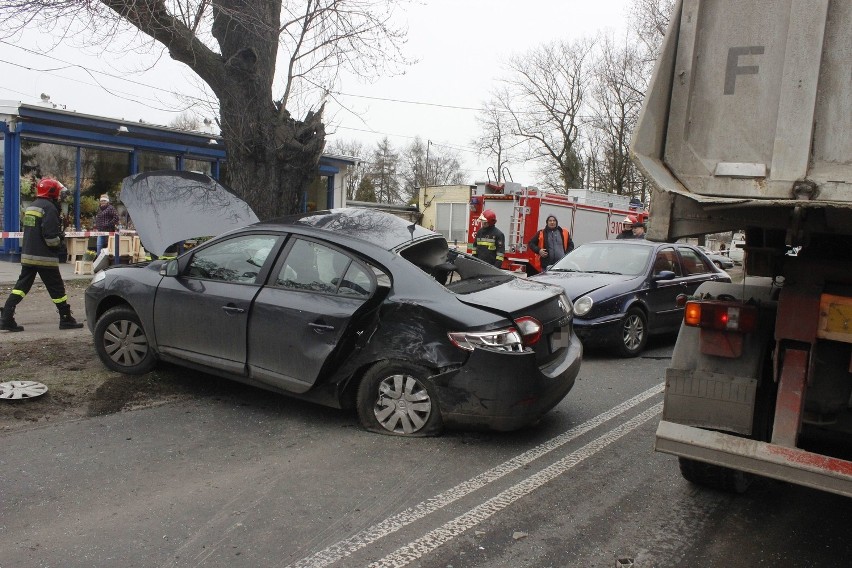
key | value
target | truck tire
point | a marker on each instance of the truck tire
(714, 476)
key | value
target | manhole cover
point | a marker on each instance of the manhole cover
(18, 390)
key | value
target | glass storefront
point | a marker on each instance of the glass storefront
(101, 172)
(152, 161)
(202, 166)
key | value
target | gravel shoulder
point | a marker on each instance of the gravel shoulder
(65, 361)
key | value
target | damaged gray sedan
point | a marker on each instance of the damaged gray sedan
(347, 308)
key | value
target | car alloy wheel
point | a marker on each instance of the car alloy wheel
(633, 333)
(121, 342)
(397, 399)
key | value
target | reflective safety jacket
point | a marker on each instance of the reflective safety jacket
(490, 245)
(538, 242)
(42, 234)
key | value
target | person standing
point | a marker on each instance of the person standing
(106, 219)
(490, 244)
(42, 239)
(627, 228)
(550, 244)
(639, 230)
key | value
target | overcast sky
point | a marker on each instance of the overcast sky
(460, 46)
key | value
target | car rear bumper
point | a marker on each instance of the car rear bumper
(506, 391)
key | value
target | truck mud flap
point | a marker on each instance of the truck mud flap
(769, 460)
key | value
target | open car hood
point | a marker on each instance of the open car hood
(170, 206)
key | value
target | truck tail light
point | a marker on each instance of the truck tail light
(721, 316)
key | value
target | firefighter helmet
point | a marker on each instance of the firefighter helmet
(49, 188)
(489, 216)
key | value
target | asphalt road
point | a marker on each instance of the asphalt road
(254, 479)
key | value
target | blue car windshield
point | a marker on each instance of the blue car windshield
(606, 258)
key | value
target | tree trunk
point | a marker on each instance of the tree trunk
(272, 158)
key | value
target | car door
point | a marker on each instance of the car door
(696, 269)
(301, 315)
(202, 315)
(664, 314)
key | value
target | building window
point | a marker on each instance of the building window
(201, 166)
(451, 221)
(152, 161)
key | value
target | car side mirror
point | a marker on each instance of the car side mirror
(663, 275)
(171, 268)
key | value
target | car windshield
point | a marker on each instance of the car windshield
(606, 258)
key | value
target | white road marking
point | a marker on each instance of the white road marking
(435, 538)
(396, 522)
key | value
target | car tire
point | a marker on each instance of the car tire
(714, 476)
(121, 342)
(397, 399)
(632, 333)
(717, 263)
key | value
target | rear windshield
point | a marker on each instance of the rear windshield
(455, 270)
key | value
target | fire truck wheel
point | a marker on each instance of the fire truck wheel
(397, 398)
(632, 333)
(714, 476)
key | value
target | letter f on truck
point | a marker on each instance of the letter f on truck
(733, 68)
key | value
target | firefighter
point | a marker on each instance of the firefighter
(42, 240)
(550, 244)
(627, 227)
(490, 244)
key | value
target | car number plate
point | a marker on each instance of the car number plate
(559, 340)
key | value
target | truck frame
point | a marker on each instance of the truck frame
(747, 125)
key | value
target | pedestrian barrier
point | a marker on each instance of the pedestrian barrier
(77, 244)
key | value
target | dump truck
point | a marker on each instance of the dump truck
(747, 124)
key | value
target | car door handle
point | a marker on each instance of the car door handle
(230, 310)
(319, 327)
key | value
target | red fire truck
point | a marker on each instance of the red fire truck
(522, 211)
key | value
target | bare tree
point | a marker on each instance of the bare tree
(234, 46)
(429, 164)
(620, 79)
(650, 20)
(496, 142)
(384, 173)
(545, 98)
(187, 121)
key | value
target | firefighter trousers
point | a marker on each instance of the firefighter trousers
(52, 279)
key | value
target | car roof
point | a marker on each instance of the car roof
(379, 228)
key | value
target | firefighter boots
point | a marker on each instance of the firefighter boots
(66, 320)
(7, 320)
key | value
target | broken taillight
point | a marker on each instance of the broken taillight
(721, 316)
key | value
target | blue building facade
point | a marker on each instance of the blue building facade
(91, 155)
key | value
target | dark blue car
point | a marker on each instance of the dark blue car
(625, 290)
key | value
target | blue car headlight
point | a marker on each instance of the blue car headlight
(583, 305)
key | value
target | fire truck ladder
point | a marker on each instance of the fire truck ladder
(516, 224)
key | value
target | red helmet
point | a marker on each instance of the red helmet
(489, 216)
(49, 188)
(629, 220)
